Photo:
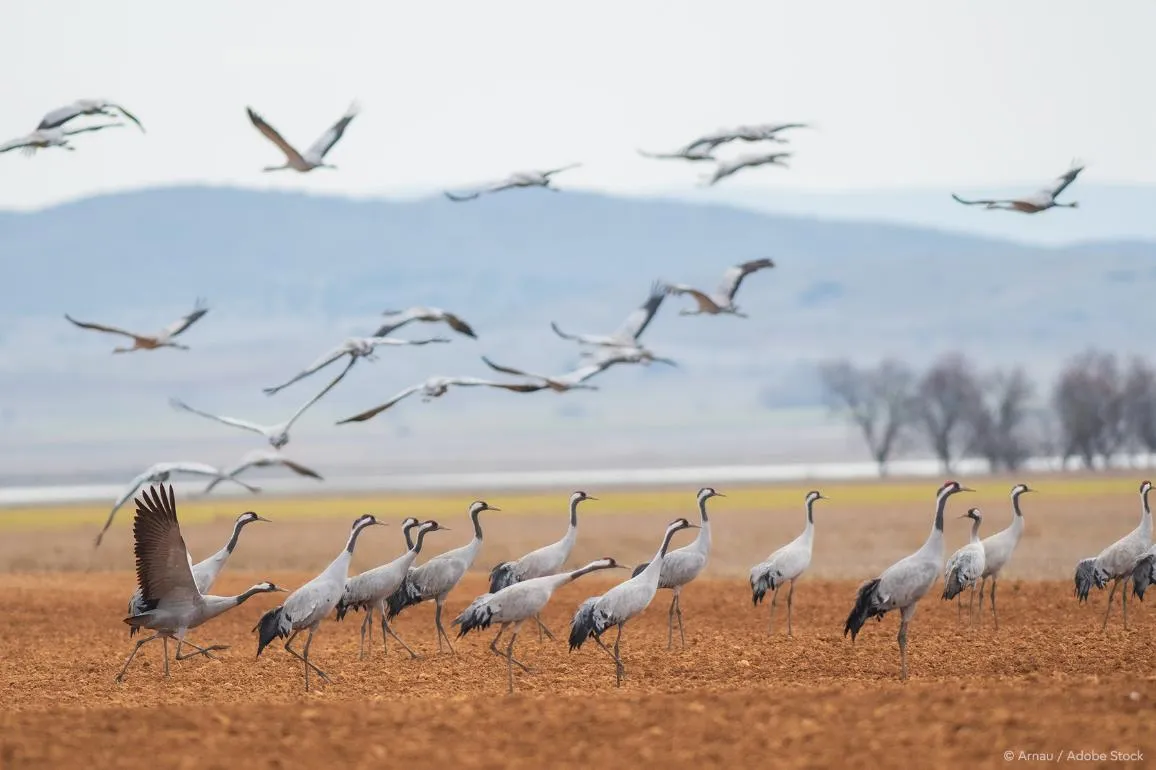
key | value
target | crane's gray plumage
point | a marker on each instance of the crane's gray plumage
(395, 319)
(369, 590)
(1144, 573)
(205, 572)
(160, 473)
(692, 155)
(547, 560)
(1041, 200)
(438, 576)
(61, 115)
(905, 582)
(722, 299)
(998, 550)
(164, 339)
(786, 565)
(517, 603)
(726, 168)
(171, 604)
(1118, 561)
(305, 608)
(354, 348)
(277, 434)
(312, 158)
(763, 132)
(518, 179)
(965, 567)
(42, 138)
(621, 603)
(683, 565)
(626, 336)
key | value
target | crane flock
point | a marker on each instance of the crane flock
(172, 599)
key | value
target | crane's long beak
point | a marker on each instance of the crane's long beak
(693, 526)
(591, 497)
(966, 489)
(441, 527)
(492, 508)
(262, 518)
(719, 494)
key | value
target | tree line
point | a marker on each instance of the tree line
(1098, 407)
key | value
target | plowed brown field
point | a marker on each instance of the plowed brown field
(1048, 680)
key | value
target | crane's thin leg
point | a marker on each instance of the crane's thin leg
(678, 614)
(1111, 595)
(982, 583)
(441, 630)
(131, 655)
(510, 658)
(1124, 599)
(905, 618)
(364, 624)
(304, 658)
(206, 651)
(774, 603)
(994, 615)
(165, 639)
(385, 629)
(542, 627)
(670, 619)
(959, 607)
(604, 647)
(790, 598)
(971, 606)
(619, 669)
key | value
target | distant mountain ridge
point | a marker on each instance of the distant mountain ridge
(287, 276)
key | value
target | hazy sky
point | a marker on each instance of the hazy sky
(904, 92)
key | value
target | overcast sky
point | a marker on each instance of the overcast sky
(903, 92)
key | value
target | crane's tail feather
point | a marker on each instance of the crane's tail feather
(865, 608)
(952, 585)
(349, 602)
(406, 595)
(762, 583)
(474, 618)
(1142, 575)
(1087, 576)
(638, 570)
(585, 624)
(501, 576)
(272, 624)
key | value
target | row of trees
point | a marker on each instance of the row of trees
(1098, 407)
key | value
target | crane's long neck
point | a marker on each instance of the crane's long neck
(215, 605)
(339, 567)
(650, 574)
(809, 527)
(1145, 519)
(702, 541)
(408, 538)
(477, 525)
(934, 544)
(229, 546)
(974, 531)
(415, 547)
(563, 578)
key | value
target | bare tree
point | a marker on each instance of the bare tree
(947, 398)
(999, 424)
(880, 400)
(1140, 404)
(1090, 405)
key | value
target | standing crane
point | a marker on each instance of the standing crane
(965, 567)
(683, 565)
(370, 590)
(172, 604)
(204, 572)
(438, 576)
(998, 549)
(515, 604)
(1117, 561)
(905, 582)
(786, 565)
(305, 608)
(546, 560)
(621, 603)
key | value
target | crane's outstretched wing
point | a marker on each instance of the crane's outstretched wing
(1062, 182)
(461, 198)
(16, 144)
(509, 370)
(322, 362)
(325, 390)
(175, 328)
(371, 413)
(377, 342)
(705, 303)
(102, 328)
(162, 561)
(983, 202)
(129, 491)
(639, 319)
(325, 143)
(560, 169)
(459, 326)
(128, 115)
(176, 403)
(59, 116)
(516, 387)
(733, 276)
(563, 334)
(274, 137)
(86, 129)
